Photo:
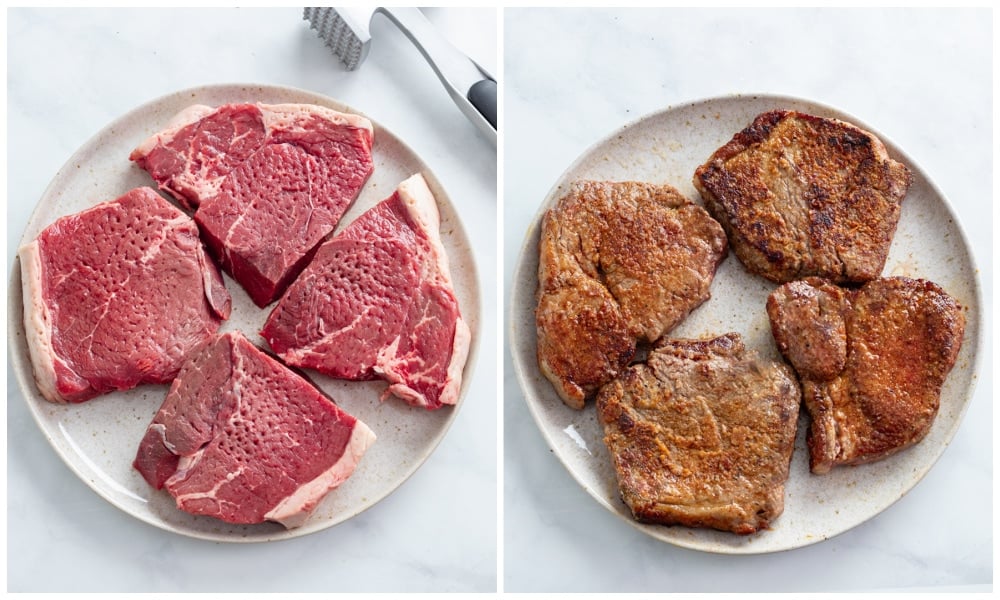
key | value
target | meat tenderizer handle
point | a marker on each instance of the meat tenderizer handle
(483, 95)
(462, 78)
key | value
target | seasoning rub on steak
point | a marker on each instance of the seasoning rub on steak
(871, 361)
(801, 195)
(377, 302)
(242, 438)
(618, 262)
(269, 182)
(116, 296)
(702, 434)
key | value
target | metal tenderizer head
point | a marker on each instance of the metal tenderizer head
(346, 34)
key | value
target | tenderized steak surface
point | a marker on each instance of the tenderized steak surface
(377, 302)
(269, 182)
(801, 195)
(618, 262)
(702, 434)
(871, 361)
(242, 438)
(116, 296)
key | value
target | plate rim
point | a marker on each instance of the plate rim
(533, 231)
(23, 369)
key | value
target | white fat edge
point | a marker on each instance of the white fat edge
(459, 354)
(293, 115)
(422, 207)
(189, 115)
(38, 323)
(293, 510)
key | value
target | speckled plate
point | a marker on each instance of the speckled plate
(666, 147)
(98, 439)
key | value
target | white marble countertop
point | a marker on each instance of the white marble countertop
(70, 72)
(921, 77)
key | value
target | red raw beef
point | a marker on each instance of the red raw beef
(377, 302)
(269, 182)
(242, 438)
(117, 295)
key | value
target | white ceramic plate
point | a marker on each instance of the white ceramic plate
(98, 439)
(666, 147)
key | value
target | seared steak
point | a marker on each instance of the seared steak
(702, 434)
(618, 262)
(871, 361)
(800, 195)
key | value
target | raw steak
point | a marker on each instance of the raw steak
(377, 302)
(242, 438)
(619, 262)
(801, 195)
(116, 296)
(269, 182)
(871, 361)
(702, 434)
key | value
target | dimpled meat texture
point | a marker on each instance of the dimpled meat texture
(377, 302)
(269, 182)
(801, 195)
(618, 262)
(702, 434)
(871, 361)
(116, 296)
(242, 438)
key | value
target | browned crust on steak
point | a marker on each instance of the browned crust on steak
(871, 361)
(800, 195)
(618, 262)
(702, 434)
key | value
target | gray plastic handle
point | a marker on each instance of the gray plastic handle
(483, 95)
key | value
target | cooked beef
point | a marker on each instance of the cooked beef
(702, 434)
(377, 302)
(269, 181)
(618, 262)
(801, 195)
(871, 361)
(117, 295)
(242, 438)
